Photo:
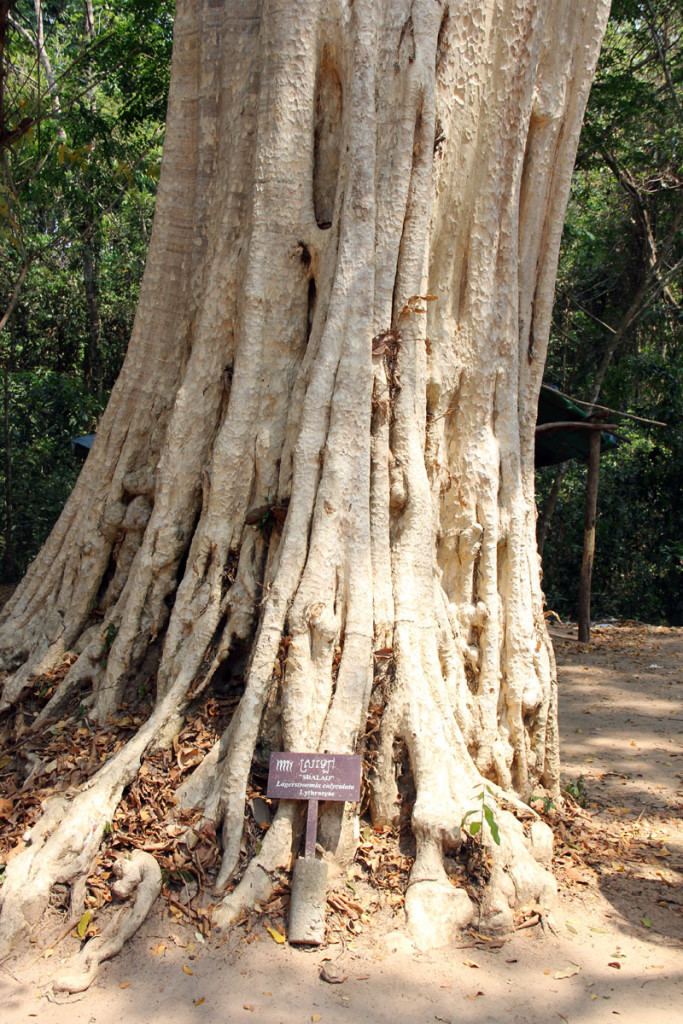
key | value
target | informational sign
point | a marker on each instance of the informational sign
(314, 776)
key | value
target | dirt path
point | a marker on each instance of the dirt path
(617, 950)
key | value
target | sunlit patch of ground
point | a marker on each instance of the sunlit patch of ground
(613, 951)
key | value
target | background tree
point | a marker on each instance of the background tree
(320, 447)
(616, 334)
(76, 199)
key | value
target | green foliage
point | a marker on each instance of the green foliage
(547, 804)
(619, 287)
(638, 572)
(48, 409)
(577, 790)
(476, 816)
(77, 191)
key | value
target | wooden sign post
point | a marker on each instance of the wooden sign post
(314, 778)
(311, 828)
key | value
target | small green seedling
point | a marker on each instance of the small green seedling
(547, 801)
(482, 813)
(577, 790)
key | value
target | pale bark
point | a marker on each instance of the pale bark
(326, 166)
(138, 878)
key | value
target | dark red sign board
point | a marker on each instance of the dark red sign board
(314, 776)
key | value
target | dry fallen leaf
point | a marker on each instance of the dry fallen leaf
(248, 1006)
(124, 984)
(566, 972)
(199, 1002)
(275, 935)
(315, 1017)
(82, 926)
(615, 964)
(187, 970)
(470, 963)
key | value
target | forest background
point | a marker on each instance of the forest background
(82, 104)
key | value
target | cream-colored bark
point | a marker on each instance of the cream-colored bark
(344, 316)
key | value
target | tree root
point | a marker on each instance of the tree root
(61, 848)
(138, 876)
(63, 843)
(257, 883)
(519, 875)
(437, 910)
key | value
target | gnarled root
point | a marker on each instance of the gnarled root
(61, 848)
(452, 797)
(437, 910)
(257, 882)
(138, 876)
(63, 843)
(519, 873)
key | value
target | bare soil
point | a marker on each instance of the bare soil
(613, 949)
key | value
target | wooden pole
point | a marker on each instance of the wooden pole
(590, 515)
(311, 828)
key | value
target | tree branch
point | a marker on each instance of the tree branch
(14, 298)
(548, 428)
(652, 26)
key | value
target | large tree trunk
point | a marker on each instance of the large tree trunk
(343, 320)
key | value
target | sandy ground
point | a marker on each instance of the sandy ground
(617, 948)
